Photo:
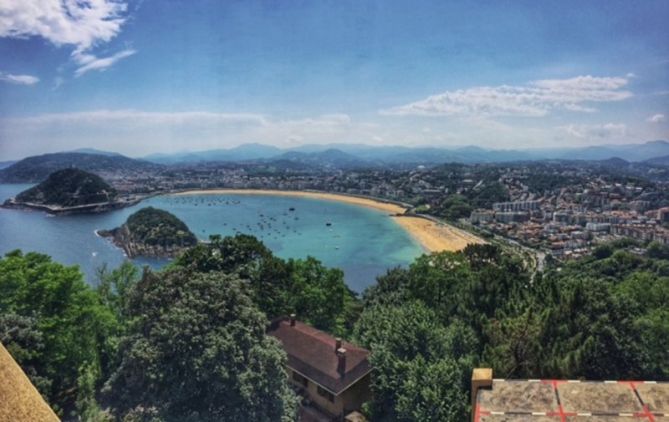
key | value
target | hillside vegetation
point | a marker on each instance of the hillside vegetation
(37, 168)
(188, 343)
(601, 317)
(69, 187)
(154, 226)
(152, 232)
(184, 344)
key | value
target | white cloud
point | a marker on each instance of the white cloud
(535, 99)
(89, 62)
(607, 131)
(576, 107)
(656, 118)
(18, 79)
(134, 118)
(83, 24)
(63, 22)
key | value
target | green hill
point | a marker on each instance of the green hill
(154, 226)
(68, 188)
(37, 168)
(152, 232)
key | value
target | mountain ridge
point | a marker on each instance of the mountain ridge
(343, 156)
(423, 155)
(37, 168)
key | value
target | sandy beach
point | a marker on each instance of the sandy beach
(436, 237)
(433, 237)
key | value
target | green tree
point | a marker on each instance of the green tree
(246, 256)
(419, 365)
(454, 207)
(438, 279)
(514, 345)
(657, 250)
(114, 285)
(196, 350)
(391, 288)
(60, 316)
(430, 391)
(241, 253)
(25, 342)
(318, 294)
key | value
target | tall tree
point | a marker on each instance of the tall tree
(418, 372)
(54, 322)
(196, 350)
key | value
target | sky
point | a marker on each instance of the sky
(140, 77)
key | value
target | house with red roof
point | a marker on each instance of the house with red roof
(332, 375)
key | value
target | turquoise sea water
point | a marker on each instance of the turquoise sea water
(361, 241)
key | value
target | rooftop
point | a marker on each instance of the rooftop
(572, 401)
(312, 353)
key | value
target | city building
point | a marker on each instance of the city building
(516, 206)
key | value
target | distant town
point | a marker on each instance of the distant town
(562, 208)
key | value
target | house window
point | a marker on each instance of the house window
(325, 393)
(300, 379)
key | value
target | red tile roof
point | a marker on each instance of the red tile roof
(311, 352)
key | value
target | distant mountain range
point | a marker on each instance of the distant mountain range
(361, 155)
(333, 156)
(96, 151)
(329, 158)
(659, 161)
(37, 168)
(241, 153)
(5, 164)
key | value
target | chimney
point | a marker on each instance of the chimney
(292, 320)
(337, 344)
(341, 361)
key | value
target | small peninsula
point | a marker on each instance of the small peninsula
(151, 232)
(70, 190)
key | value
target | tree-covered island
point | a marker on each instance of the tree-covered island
(70, 190)
(152, 232)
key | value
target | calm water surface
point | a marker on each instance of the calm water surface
(361, 241)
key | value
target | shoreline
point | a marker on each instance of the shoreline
(98, 207)
(436, 237)
(430, 235)
(349, 199)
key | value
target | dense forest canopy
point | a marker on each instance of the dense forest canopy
(602, 317)
(69, 187)
(188, 342)
(153, 226)
(196, 350)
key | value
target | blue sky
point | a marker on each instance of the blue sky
(162, 76)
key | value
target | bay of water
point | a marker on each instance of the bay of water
(363, 242)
